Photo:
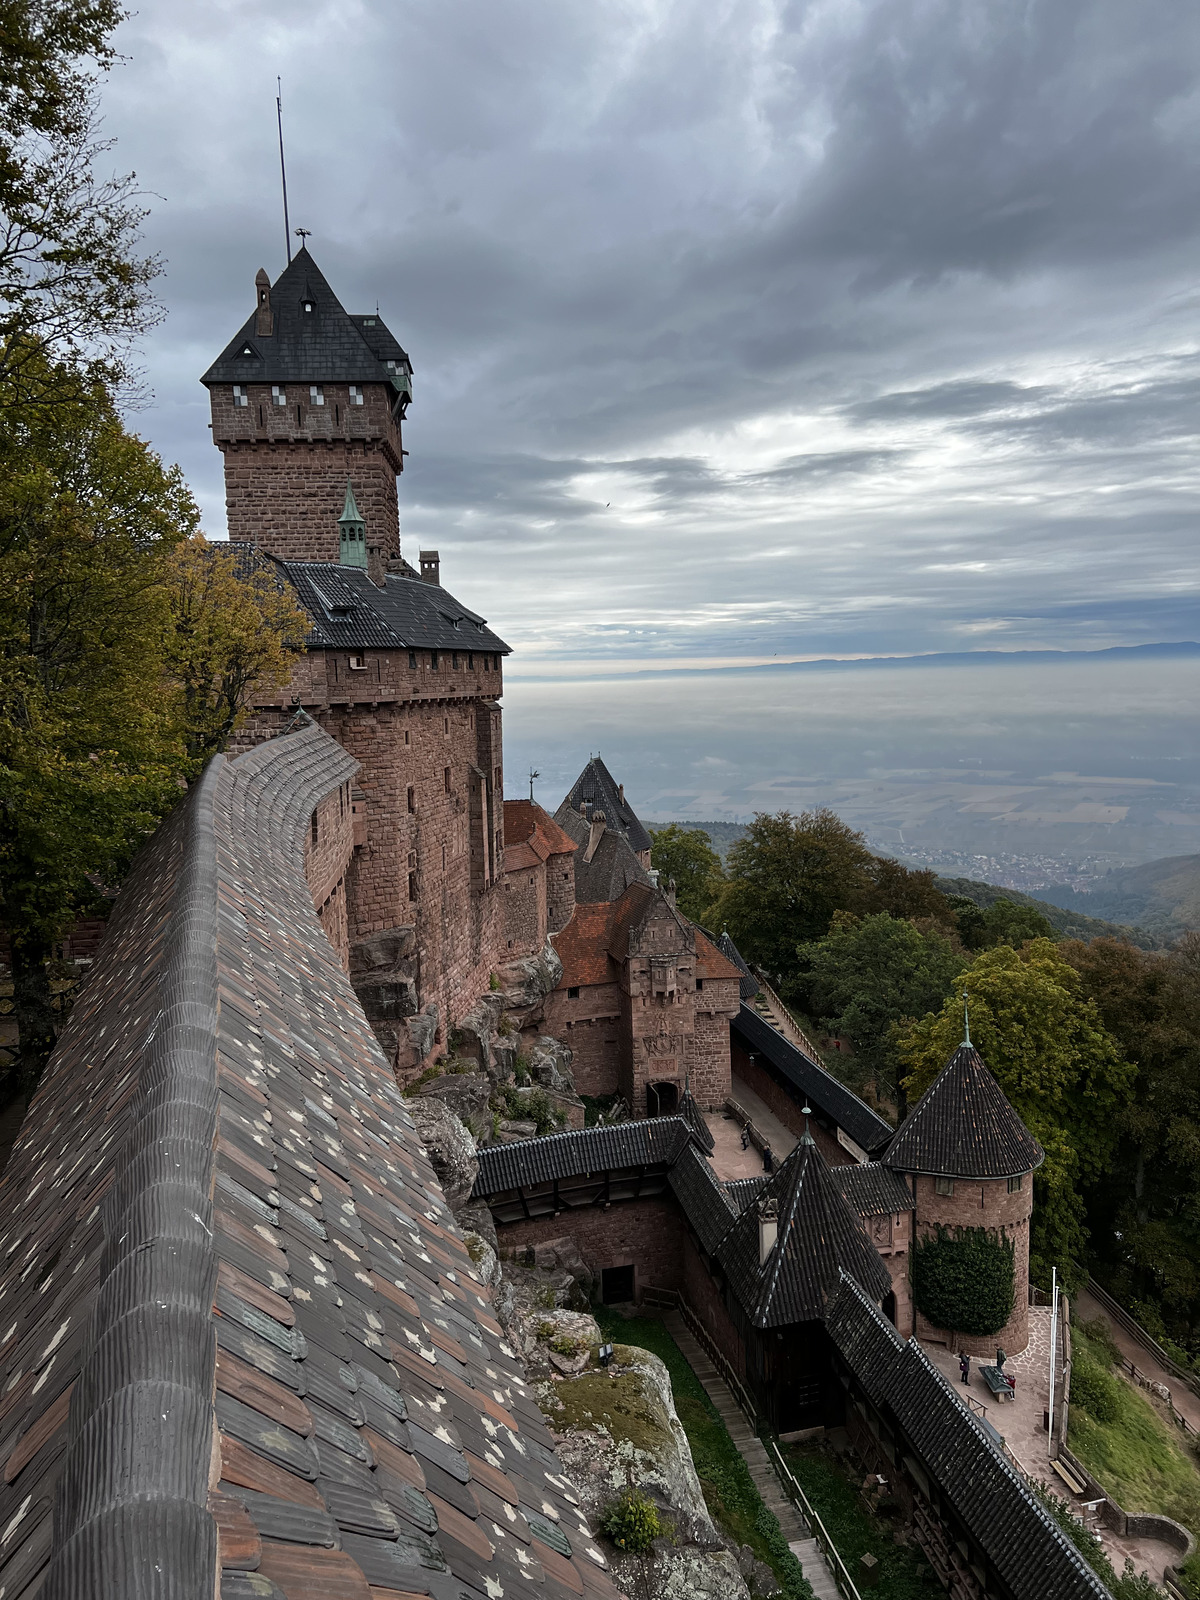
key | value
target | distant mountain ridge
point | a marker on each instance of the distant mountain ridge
(1070, 923)
(1161, 896)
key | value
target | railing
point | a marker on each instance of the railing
(790, 1027)
(811, 1517)
(1138, 1377)
(750, 1128)
(1134, 1328)
(837, 1567)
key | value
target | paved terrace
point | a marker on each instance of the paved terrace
(728, 1159)
(1020, 1423)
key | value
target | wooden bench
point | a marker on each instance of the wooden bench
(1075, 1484)
(996, 1382)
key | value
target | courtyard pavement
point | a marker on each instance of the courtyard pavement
(728, 1159)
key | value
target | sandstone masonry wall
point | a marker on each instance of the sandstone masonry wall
(784, 1106)
(982, 1205)
(645, 1234)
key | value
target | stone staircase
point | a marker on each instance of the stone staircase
(773, 1011)
(750, 1447)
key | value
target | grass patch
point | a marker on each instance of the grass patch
(1137, 1455)
(903, 1573)
(733, 1502)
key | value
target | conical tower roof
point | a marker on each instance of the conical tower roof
(819, 1238)
(964, 1127)
(314, 339)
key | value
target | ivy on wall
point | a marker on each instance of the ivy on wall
(963, 1279)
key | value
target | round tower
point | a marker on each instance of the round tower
(970, 1160)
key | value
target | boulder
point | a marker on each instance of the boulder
(516, 1132)
(450, 1148)
(524, 984)
(422, 1031)
(467, 1095)
(550, 1065)
(476, 1217)
(473, 1035)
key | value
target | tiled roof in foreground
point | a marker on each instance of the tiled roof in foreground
(1030, 1552)
(218, 1189)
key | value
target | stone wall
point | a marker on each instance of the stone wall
(982, 1205)
(706, 1300)
(647, 1234)
(526, 922)
(287, 466)
(592, 1025)
(328, 851)
(785, 1107)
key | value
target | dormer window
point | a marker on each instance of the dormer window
(368, 322)
(307, 307)
(240, 397)
(247, 350)
(316, 395)
(278, 396)
(356, 395)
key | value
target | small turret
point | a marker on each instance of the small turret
(264, 317)
(352, 544)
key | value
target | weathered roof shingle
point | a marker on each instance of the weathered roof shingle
(964, 1127)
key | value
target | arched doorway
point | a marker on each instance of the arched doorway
(662, 1099)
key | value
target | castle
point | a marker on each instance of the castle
(227, 1220)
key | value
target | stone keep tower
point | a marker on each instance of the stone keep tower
(305, 399)
(971, 1161)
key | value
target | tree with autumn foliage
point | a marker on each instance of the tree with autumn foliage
(230, 634)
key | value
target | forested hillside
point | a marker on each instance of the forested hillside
(1094, 1037)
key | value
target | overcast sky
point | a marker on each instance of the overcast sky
(740, 329)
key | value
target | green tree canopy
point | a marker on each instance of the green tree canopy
(1061, 1069)
(868, 976)
(90, 752)
(74, 281)
(687, 855)
(787, 875)
(1144, 1213)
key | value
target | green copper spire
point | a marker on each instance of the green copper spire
(352, 549)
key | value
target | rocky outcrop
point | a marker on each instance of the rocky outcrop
(422, 1031)
(472, 1036)
(466, 1094)
(524, 984)
(617, 1428)
(450, 1148)
(383, 971)
(550, 1064)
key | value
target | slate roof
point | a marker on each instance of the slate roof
(706, 1205)
(742, 1191)
(1030, 1552)
(872, 1189)
(326, 345)
(694, 1117)
(811, 1082)
(655, 1141)
(819, 1238)
(218, 1186)
(964, 1127)
(600, 789)
(749, 983)
(348, 611)
(613, 866)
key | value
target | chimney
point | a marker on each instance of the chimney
(264, 317)
(599, 822)
(768, 1227)
(377, 565)
(621, 793)
(431, 566)
(670, 891)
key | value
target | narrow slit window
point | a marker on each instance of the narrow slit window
(412, 801)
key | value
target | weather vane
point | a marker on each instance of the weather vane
(533, 773)
(303, 233)
(966, 1018)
